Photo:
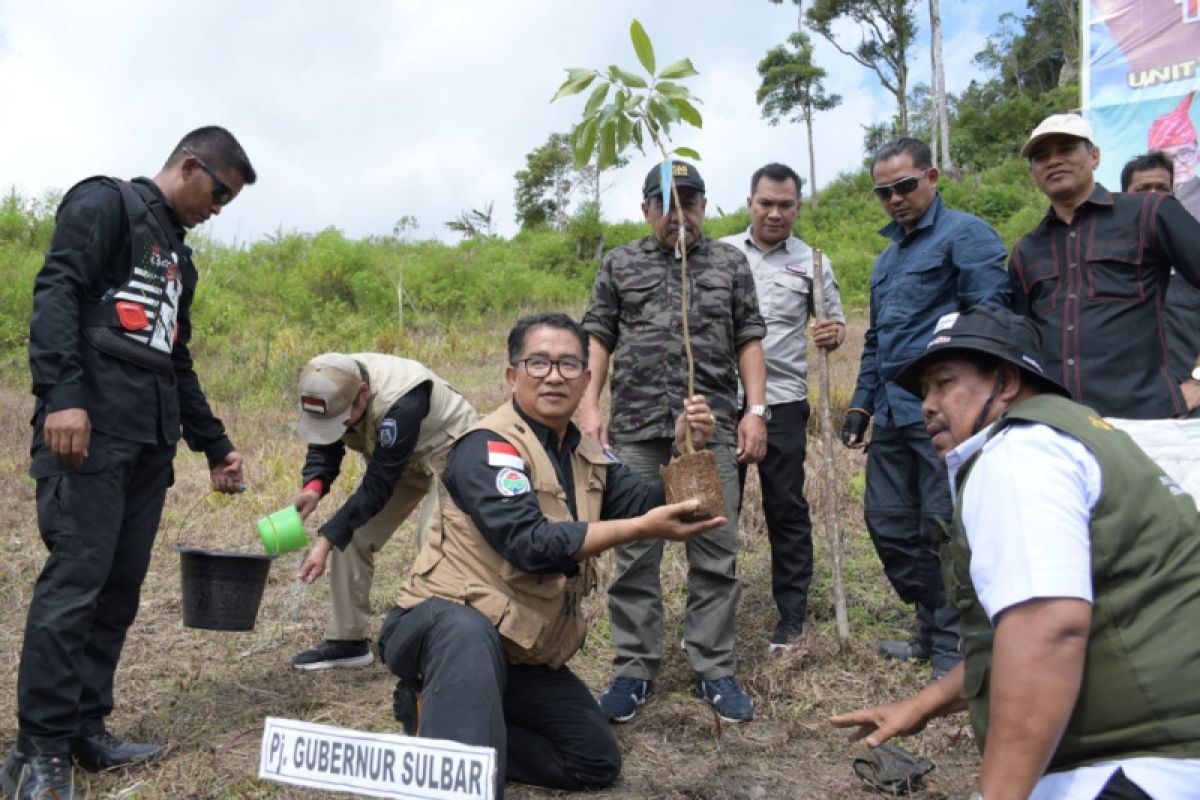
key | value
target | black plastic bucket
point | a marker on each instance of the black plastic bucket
(222, 590)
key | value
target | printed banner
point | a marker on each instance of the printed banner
(1140, 74)
(375, 764)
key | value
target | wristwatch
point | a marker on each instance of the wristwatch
(1196, 373)
(765, 411)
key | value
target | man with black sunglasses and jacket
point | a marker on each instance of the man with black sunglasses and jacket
(940, 261)
(114, 382)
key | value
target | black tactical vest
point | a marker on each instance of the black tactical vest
(136, 321)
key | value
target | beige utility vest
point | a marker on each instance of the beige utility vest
(538, 616)
(390, 378)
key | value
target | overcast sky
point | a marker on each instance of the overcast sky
(357, 113)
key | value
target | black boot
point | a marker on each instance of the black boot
(101, 751)
(47, 777)
(406, 705)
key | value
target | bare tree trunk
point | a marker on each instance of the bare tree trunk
(812, 161)
(940, 113)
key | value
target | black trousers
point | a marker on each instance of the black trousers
(907, 491)
(544, 724)
(98, 522)
(789, 527)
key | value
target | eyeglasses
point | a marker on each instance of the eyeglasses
(221, 193)
(902, 187)
(539, 367)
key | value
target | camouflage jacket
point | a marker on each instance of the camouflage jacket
(635, 311)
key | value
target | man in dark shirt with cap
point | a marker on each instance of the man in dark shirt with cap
(1093, 273)
(635, 317)
(113, 377)
(397, 413)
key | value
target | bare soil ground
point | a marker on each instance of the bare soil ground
(206, 693)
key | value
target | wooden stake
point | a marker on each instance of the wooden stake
(829, 474)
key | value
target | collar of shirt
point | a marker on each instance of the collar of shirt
(547, 437)
(153, 187)
(895, 231)
(1099, 197)
(788, 245)
(961, 455)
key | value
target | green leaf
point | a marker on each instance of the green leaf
(687, 152)
(574, 86)
(596, 99)
(637, 137)
(585, 142)
(578, 73)
(620, 99)
(658, 115)
(686, 110)
(624, 132)
(642, 46)
(627, 78)
(680, 69)
(608, 146)
(668, 89)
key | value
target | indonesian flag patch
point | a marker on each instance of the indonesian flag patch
(313, 405)
(503, 454)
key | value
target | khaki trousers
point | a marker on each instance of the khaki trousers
(352, 571)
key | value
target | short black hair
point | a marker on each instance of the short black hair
(922, 156)
(775, 172)
(516, 337)
(219, 150)
(1155, 159)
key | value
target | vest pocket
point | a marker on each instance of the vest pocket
(543, 585)
(519, 625)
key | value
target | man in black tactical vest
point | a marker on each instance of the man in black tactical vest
(114, 386)
(1074, 561)
(492, 610)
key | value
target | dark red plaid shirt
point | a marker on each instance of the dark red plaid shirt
(1095, 290)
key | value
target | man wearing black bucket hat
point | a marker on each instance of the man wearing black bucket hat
(114, 381)
(1075, 563)
(397, 414)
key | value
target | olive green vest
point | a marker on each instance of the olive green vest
(538, 616)
(1136, 698)
(390, 378)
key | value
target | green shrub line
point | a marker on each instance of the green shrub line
(264, 307)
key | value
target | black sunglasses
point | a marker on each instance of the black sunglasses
(221, 193)
(901, 187)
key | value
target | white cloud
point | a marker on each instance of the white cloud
(358, 113)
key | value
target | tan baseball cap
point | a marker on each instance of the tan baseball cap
(1059, 124)
(328, 387)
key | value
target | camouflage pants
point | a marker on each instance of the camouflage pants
(635, 608)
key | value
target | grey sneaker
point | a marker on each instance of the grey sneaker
(727, 698)
(621, 700)
(336, 653)
(47, 777)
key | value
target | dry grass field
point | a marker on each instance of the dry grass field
(206, 693)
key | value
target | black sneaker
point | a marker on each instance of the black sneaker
(10, 770)
(724, 694)
(47, 777)
(621, 700)
(406, 705)
(336, 653)
(912, 650)
(786, 634)
(102, 751)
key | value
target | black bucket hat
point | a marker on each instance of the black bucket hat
(982, 329)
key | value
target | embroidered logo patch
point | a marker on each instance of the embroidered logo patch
(510, 482)
(387, 433)
(503, 454)
(946, 321)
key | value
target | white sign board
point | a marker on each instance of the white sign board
(375, 764)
